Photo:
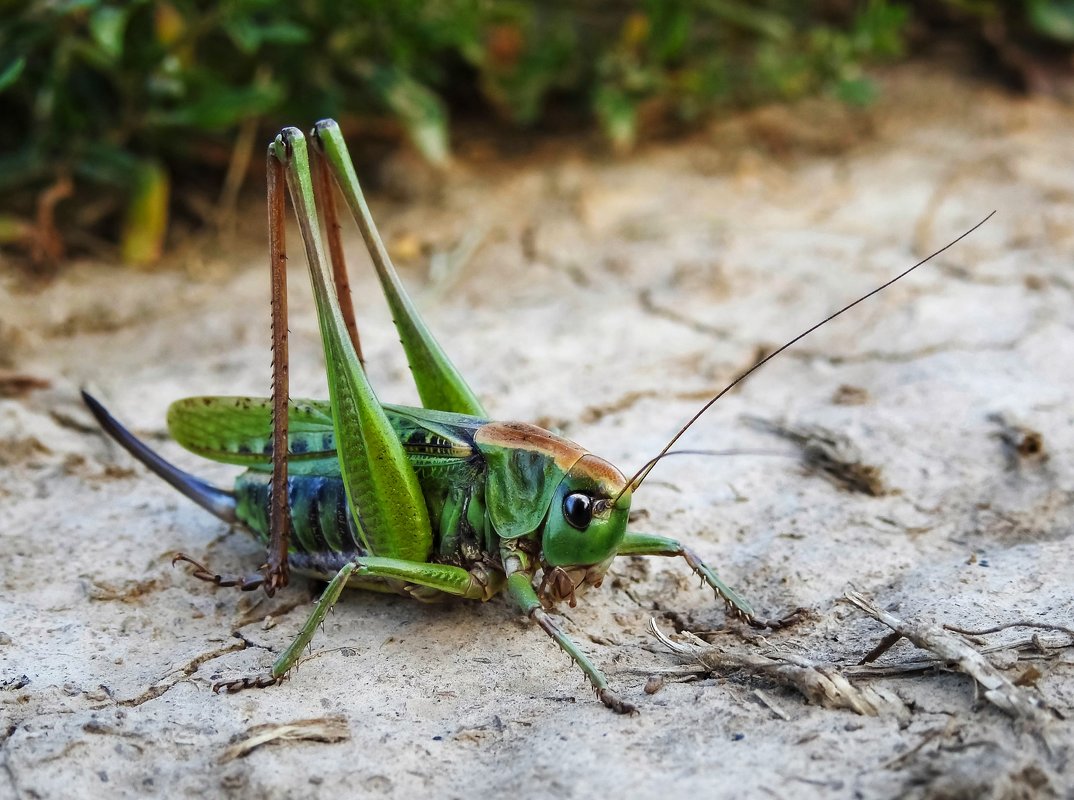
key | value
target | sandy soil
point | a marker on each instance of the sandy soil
(605, 299)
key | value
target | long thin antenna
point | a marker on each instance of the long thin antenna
(643, 473)
(735, 451)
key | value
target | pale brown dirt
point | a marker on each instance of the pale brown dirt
(606, 300)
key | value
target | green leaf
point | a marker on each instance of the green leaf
(856, 91)
(420, 110)
(108, 164)
(216, 107)
(748, 16)
(249, 36)
(14, 230)
(146, 218)
(107, 26)
(670, 29)
(243, 33)
(284, 33)
(12, 72)
(75, 6)
(1053, 18)
(878, 29)
(618, 117)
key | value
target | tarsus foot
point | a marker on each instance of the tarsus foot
(760, 623)
(615, 702)
(275, 575)
(245, 583)
(237, 685)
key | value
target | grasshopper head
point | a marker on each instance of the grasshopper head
(584, 527)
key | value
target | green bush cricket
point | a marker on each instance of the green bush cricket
(423, 502)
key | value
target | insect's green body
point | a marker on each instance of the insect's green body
(460, 461)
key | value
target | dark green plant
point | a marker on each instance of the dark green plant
(1050, 19)
(115, 110)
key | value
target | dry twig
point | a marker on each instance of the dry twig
(820, 683)
(949, 648)
(320, 729)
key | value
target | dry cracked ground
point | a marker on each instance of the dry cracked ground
(925, 458)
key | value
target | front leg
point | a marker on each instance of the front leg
(520, 587)
(644, 544)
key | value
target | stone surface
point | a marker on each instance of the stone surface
(607, 300)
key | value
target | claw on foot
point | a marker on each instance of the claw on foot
(275, 576)
(244, 582)
(200, 571)
(615, 702)
(253, 682)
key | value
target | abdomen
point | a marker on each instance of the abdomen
(324, 536)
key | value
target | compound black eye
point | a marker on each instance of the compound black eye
(578, 510)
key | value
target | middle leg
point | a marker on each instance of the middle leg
(644, 544)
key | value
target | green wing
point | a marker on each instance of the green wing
(238, 430)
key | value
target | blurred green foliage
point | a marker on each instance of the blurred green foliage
(112, 104)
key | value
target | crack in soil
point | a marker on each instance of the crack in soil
(650, 306)
(6, 765)
(595, 413)
(908, 356)
(153, 692)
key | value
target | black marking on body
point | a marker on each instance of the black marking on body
(323, 498)
(313, 518)
(426, 442)
(322, 565)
